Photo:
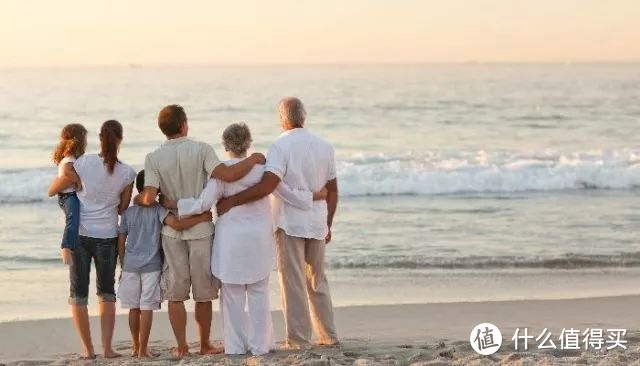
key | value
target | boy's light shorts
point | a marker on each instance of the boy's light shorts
(140, 290)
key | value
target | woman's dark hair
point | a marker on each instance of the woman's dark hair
(110, 138)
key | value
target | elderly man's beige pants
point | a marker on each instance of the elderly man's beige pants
(306, 300)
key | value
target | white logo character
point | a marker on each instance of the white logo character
(485, 339)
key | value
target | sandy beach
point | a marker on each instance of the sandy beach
(424, 182)
(420, 334)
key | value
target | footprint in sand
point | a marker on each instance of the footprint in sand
(351, 354)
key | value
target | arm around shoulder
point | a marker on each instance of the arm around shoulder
(237, 171)
(187, 222)
(265, 187)
(147, 197)
(151, 184)
(194, 206)
(299, 198)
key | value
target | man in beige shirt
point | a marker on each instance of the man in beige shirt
(180, 169)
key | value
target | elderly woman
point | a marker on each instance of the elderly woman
(243, 248)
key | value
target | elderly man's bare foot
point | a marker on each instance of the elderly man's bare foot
(180, 351)
(111, 354)
(209, 349)
(134, 351)
(330, 343)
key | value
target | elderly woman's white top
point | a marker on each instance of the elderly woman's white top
(244, 240)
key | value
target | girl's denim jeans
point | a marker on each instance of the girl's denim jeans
(70, 205)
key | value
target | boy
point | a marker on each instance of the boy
(141, 262)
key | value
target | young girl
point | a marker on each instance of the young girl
(73, 142)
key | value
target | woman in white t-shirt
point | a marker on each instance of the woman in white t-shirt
(107, 184)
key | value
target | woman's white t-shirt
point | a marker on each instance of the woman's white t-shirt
(100, 195)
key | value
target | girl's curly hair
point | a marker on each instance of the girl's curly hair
(73, 142)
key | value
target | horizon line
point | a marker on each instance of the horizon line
(394, 63)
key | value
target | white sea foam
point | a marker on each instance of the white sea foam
(434, 173)
(485, 172)
(18, 186)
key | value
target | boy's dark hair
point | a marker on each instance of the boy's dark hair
(140, 181)
(170, 119)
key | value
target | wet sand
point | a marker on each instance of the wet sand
(421, 334)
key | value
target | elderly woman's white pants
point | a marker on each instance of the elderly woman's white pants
(252, 331)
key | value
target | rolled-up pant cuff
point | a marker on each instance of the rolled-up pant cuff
(149, 306)
(176, 298)
(107, 298)
(78, 301)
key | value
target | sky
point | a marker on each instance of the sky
(119, 32)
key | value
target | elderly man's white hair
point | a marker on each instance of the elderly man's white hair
(292, 110)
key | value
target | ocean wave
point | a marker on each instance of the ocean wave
(25, 186)
(433, 173)
(26, 260)
(564, 262)
(437, 173)
(567, 261)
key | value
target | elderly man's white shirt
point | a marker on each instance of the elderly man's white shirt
(244, 240)
(303, 161)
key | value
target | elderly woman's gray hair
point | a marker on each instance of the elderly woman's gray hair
(237, 138)
(292, 110)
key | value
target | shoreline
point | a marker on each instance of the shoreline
(373, 330)
(28, 300)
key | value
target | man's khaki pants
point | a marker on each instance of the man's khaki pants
(187, 265)
(306, 300)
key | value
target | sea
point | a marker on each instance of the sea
(458, 182)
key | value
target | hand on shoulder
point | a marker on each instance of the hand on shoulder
(258, 158)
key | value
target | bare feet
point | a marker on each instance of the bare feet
(134, 352)
(111, 354)
(295, 347)
(85, 356)
(209, 349)
(329, 343)
(146, 354)
(180, 351)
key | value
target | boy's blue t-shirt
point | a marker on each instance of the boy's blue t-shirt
(142, 226)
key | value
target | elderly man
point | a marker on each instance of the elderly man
(303, 161)
(180, 168)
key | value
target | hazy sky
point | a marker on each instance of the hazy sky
(89, 32)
